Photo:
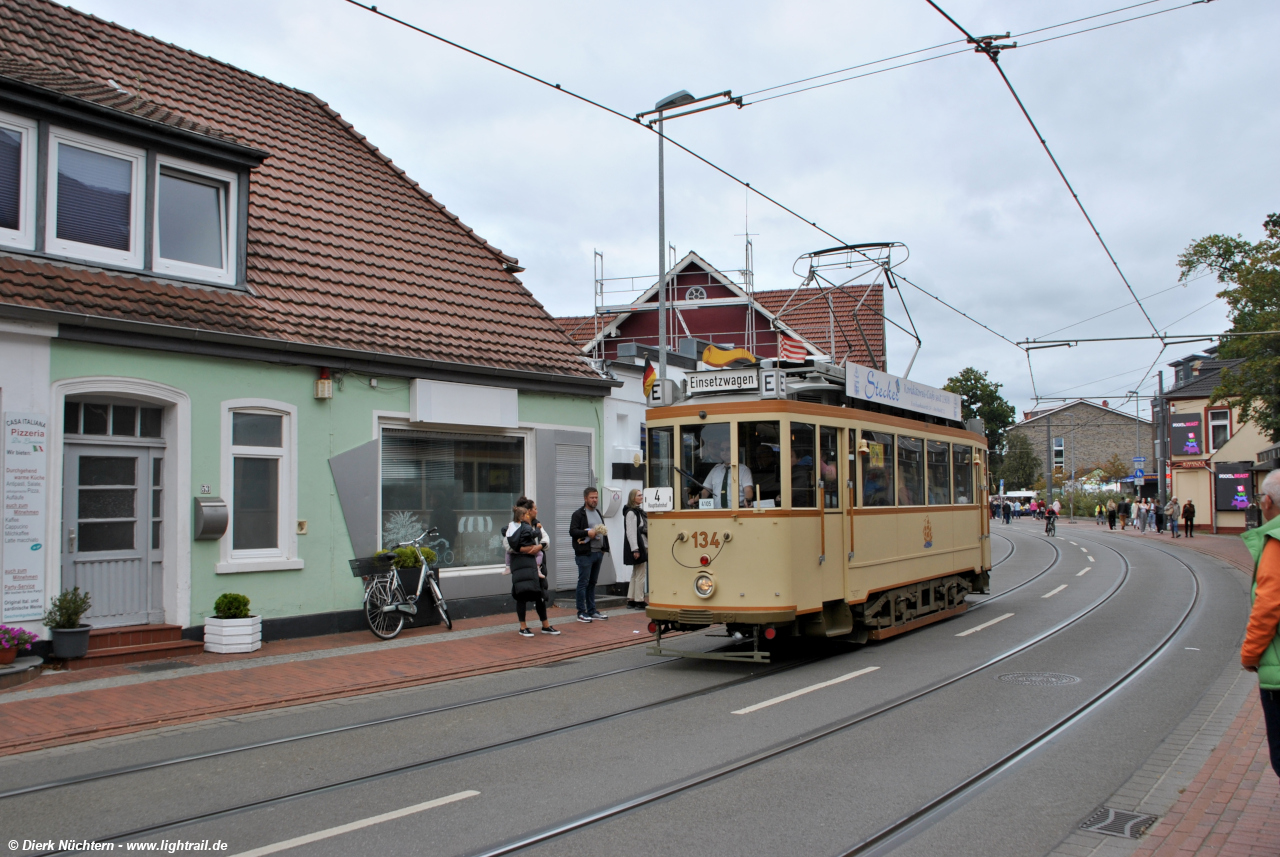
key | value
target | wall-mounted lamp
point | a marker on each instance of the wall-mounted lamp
(324, 385)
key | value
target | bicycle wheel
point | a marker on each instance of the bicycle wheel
(1053, 529)
(384, 624)
(444, 608)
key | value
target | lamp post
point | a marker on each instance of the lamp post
(675, 100)
(1073, 461)
(1137, 438)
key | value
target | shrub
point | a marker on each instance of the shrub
(16, 638)
(408, 557)
(66, 609)
(231, 605)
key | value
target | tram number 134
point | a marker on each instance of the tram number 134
(705, 540)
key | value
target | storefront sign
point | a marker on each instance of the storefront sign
(723, 381)
(1186, 436)
(875, 386)
(1232, 491)
(25, 493)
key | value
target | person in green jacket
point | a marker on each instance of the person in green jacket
(1259, 653)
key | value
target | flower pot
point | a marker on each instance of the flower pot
(70, 642)
(230, 636)
(8, 655)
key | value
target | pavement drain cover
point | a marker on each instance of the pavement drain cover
(1039, 679)
(160, 666)
(1117, 822)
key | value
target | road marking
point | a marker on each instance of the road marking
(802, 691)
(1190, 649)
(355, 825)
(1091, 559)
(1085, 550)
(978, 628)
(1086, 568)
(1074, 544)
(1055, 592)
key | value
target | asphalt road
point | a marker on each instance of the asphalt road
(694, 757)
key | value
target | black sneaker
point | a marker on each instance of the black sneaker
(525, 632)
(597, 616)
(552, 631)
(583, 617)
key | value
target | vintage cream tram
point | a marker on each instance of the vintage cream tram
(819, 512)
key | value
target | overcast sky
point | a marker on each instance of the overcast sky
(1167, 127)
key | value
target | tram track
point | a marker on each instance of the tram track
(791, 745)
(1057, 557)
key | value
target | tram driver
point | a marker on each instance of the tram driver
(717, 483)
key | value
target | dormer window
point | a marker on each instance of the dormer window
(194, 205)
(94, 202)
(17, 181)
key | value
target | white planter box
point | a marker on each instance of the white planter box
(231, 636)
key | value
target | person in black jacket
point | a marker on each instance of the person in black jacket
(590, 543)
(635, 549)
(526, 584)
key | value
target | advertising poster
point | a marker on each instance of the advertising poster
(1186, 436)
(875, 386)
(1232, 492)
(25, 497)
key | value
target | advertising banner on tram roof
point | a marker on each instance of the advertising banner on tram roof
(875, 386)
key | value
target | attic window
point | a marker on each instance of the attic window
(195, 206)
(17, 178)
(95, 206)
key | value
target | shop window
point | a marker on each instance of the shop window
(1219, 429)
(877, 469)
(804, 478)
(829, 467)
(939, 472)
(758, 452)
(259, 473)
(910, 471)
(464, 485)
(962, 456)
(95, 204)
(706, 475)
(17, 181)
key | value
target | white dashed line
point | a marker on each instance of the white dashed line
(1054, 592)
(1086, 568)
(1091, 559)
(1074, 544)
(1085, 550)
(978, 628)
(802, 691)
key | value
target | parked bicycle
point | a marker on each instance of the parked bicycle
(385, 603)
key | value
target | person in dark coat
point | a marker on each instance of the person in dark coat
(635, 549)
(526, 578)
(1189, 519)
(590, 544)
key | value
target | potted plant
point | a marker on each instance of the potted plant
(70, 638)
(11, 640)
(231, 629)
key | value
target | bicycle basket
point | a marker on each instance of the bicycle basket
(370, 565)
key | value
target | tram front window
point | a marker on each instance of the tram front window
(877, 469)
(804, 494)
(963, 457)
(758, 447)
(706, 471)
(910, 471)
(939, 467)
(829, 467)
(661, 456)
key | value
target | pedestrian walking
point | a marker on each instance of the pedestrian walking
(1098, 513)
(1189, 518)
(1006, 509)
(1159, 513)
(635, 549)
(590, 543)
(1111, 514)
(1142, 516)
(1122, 512)
(1151, 512)
(524, 544)
(1171, 512)
(1259, 653)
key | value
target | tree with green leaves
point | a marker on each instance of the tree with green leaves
(1251, 273)
(1021, 466)
(981, 398)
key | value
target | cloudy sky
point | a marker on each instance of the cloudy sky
(1167, 127)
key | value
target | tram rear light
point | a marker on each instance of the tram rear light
(704, 559)
(770, 633)
(653, 627)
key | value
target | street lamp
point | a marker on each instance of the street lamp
(675, 100)
(1137, 441)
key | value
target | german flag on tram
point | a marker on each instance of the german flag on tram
(791, 350)
(648, 378)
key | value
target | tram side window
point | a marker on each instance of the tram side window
(910, 471)
(939, 467)
(804, 494)
(963, 457)
(758, 446)
(661, 457)
(877, 469)
(705, 469)
(829, 467)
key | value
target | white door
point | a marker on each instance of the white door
(573, 473)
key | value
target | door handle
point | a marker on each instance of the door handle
(71, 541)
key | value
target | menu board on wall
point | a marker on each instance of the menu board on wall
(1186, 435)
(25, 497)
(1232, 492)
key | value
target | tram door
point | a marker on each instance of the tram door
(834, 529)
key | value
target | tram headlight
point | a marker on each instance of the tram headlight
(703, 585)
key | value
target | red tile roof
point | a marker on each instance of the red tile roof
(807, 313)
(582, 328)
(344, 250)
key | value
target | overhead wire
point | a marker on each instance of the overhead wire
(1124, 306)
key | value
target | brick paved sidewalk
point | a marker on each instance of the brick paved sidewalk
(164, 700)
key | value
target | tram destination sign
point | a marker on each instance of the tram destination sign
(723, 381)
(875, 386)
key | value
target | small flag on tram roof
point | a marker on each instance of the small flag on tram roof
(791, 350)
(648, 378)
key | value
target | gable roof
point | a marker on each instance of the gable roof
(1049, 413)
(1202, 384)
(344, 250)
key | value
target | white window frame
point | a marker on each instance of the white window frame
(230, 206)
(24, 237)
(284, 557)
(131, 258)
(1225, 421)
(1060, 453)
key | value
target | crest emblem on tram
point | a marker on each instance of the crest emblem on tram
(928, 532)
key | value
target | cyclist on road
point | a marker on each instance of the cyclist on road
(1050, 518)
